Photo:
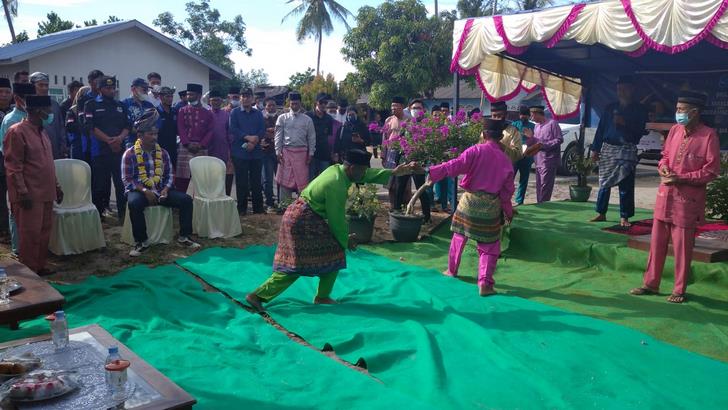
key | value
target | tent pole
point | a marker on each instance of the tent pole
(586, 115)
(557, 75)
(456, 105)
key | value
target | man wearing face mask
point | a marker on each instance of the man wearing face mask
(353, 135)
(547, 136)
(108, 122)
(690, 160)
(155, 86)
(523, 166)
(221, 136)
(233, 98)
(194, 124)
(18, 114)
(620, 129)
(182, 100)
(341, 111)
(32, 182)
(136, 105)
(55, 124)
(260, 100)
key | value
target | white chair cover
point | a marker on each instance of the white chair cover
(159, 225)
(215, 214)
(76, 222)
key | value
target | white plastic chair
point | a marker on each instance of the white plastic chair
(76, 222)
(214, 214)
(159, 225)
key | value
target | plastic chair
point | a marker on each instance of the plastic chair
(76, 222)
(159, 225)
(215, 214)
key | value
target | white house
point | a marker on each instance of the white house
(126, 49)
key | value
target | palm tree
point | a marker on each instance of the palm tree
(534, 4)
(316, 20)
(11, 10)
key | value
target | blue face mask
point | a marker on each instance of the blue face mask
(48, 121)
(682, 118)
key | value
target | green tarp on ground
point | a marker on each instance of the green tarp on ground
(557, 258)
(432, 338)
(222, 355)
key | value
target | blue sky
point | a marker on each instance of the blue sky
(274, 45)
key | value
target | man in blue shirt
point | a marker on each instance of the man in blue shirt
(137, 103)
(247, 127)
(523, 165)
(620, 129)
(93, 79)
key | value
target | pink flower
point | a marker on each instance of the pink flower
(461, 115)
(374, 127)
(476, 117)
(444, 130)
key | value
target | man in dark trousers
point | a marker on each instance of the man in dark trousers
(324, 125)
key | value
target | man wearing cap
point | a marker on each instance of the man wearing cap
(18, 114)
(32, 184)
(324, 125)
(485, 205)
(167, 124)
(690, 160)
(523, 166)
(314, 234)
(182, 100)
(268, 145)
(295, 143)
(149, 181)
(221, 136)
(233, 98)
(55, 125)
(247, 127)
(136, 104)
(620, 129)
(194, 124)
(107, 121)
(547, 133)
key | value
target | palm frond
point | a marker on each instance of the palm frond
(296, 10)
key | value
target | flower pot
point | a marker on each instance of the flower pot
(579, 193)
(405, 228)
(363, 227)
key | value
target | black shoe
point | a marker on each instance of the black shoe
(327, 348)
(361, 363)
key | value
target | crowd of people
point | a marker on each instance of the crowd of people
(143, 145)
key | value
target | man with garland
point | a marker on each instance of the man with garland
(149, 180)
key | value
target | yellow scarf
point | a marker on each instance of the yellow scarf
(143, 174)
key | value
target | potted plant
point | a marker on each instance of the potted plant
(716, 200)
(361, 211)
(429, 140)
(583, 167)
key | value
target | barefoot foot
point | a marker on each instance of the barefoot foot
(486, 290)
(255, 301)
(324, 301)
(446, 272)
(624, 222)
(599, 218)
(676, 298)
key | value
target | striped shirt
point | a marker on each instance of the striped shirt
(130, 170)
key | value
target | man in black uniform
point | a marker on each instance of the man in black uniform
(324, 125)
(167, 125)
(106, 120)
(93, 81)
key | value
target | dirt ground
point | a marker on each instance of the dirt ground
(263, 229)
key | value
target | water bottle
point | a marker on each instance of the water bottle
(59, 330)
(113, 355)
(4, 287)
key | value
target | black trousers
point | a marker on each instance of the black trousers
(401, 185)
(175, 199)
(105, 169)
(248, 180)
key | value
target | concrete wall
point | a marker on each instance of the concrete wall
(127, 54)
(7, 71)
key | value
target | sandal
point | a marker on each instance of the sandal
(676, 298)
(641, 291)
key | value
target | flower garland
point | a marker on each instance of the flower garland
(143, 174)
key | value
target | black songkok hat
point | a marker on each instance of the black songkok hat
(195, 88)
(345, 103)
(537, 108)
(182, 93)
(106, 81)
(246, 91)
(322, 96)
(234, 90)
(260, 94)
(692, 98)
(294, 96)
(499, 106)
(358, 157)
(23, 89)
(215, 94)
(38, 101)
(399, 100)
(494, 128)
(4, 82)
(445, 105)
(523, 110)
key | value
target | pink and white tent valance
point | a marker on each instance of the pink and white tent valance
(631, 26)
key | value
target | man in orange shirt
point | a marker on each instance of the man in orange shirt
(690, 159)
(32, 184)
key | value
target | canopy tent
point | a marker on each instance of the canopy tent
(563, 48)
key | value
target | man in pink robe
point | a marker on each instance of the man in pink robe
(485, 205)
(548, 135)
(690, 159)
(195, 127)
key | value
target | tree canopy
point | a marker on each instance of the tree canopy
(206, 33)
(398, 50)
(54, 24)
(299, 79)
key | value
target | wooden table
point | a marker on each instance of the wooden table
(171, 396)
(705, 250)
(36, 297)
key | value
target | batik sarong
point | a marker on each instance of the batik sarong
(616, 162)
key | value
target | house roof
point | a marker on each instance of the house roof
(15, 53)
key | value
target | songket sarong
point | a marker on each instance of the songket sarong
(478, 216)
(616, 162)
(293, 173)
(183, 161)
(306, 245)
